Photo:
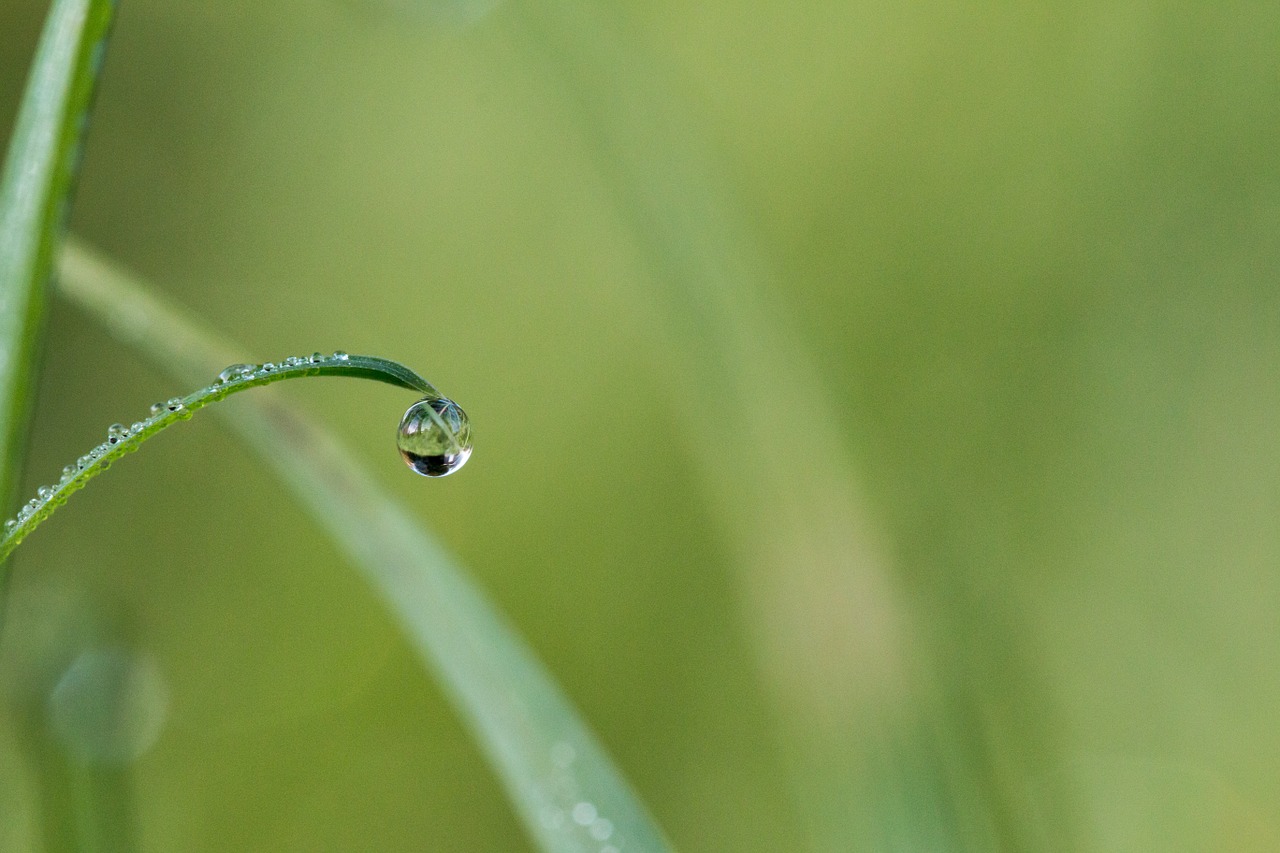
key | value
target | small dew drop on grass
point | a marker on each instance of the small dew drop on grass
(584, 814)
(109, 706)
(236, 371)
(434, 437)
(563, 754)
(601, 829)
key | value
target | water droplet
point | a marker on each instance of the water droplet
(339, 355)
(70, 471)
(316, 358)
(116, 432)
(601, 829)
(235, 371)
(44, 493)
(268, 367)
(84, 461)
(434, 437)
(584, 814)
(137, 427)
(292, 361)
(31, 505)
(156, 408)
(109, 706)
(9, 525)
(174, 404)
(563, 754)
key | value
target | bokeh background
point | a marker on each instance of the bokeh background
(876, 409)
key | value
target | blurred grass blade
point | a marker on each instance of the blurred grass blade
(39, 172)
(847, 651)
(836, 637)
(122, 440)
(564, 787)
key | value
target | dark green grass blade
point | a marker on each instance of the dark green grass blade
(120, 442)
(39, 172)
(563, 786)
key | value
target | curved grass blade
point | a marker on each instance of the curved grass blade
(564, 787)
(39, 173)
(239, 377)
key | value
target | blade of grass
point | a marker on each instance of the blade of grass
(39, 174)
(879, 756)
(242, 377)
(563, 786)
(838, 641)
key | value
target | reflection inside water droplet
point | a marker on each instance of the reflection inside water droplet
(434, 437)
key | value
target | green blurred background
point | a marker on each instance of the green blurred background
(983, 295)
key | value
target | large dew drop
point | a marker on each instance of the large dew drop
(434, 437)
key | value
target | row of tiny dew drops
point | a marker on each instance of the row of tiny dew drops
(116, 433)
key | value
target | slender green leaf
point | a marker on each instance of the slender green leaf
(39, 172)
(236, 378)
(564, 787)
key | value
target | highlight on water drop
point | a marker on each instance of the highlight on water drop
(434, 438)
